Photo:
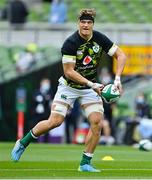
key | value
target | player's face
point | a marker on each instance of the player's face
(85, 28)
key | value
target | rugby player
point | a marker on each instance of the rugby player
(81, 54)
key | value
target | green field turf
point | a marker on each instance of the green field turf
(47, 161)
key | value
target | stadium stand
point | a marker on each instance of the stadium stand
(117, 11)
(109, 11)
(7, 61)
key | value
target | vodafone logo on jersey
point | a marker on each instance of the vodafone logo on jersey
(87, 60)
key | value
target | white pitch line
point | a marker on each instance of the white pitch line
(73, 169)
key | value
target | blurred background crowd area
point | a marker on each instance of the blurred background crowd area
(30, 65)
(125, 11)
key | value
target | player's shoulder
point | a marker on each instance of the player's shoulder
(72, 38)
(70, 44)
(72, 41)
(102, 39)
(98, 34)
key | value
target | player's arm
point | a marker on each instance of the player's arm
(114, 51)
(70, 73)
(120, 56)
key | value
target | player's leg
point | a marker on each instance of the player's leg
(95, 118)
(94, 114)
(56, 118)
(58, 112)
(59, 109)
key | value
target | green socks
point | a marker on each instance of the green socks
(25, 141)
(85, 160)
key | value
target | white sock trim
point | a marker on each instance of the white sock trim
(33, 135)
(88, 154)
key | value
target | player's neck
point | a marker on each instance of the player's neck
(86, 37)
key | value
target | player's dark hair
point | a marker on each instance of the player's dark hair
(87, 14)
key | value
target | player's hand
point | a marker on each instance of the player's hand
(117, 84)
(97, 87)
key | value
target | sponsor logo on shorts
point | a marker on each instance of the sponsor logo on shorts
(63, 96)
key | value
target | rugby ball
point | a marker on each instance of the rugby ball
(110, 93)
(145, 145)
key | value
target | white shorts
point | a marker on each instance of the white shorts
(68, 95)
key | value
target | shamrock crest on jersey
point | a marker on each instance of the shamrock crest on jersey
(96, 48)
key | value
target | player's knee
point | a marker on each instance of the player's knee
(54, 121)
(97, 121)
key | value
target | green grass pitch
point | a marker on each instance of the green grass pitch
(48, 161)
